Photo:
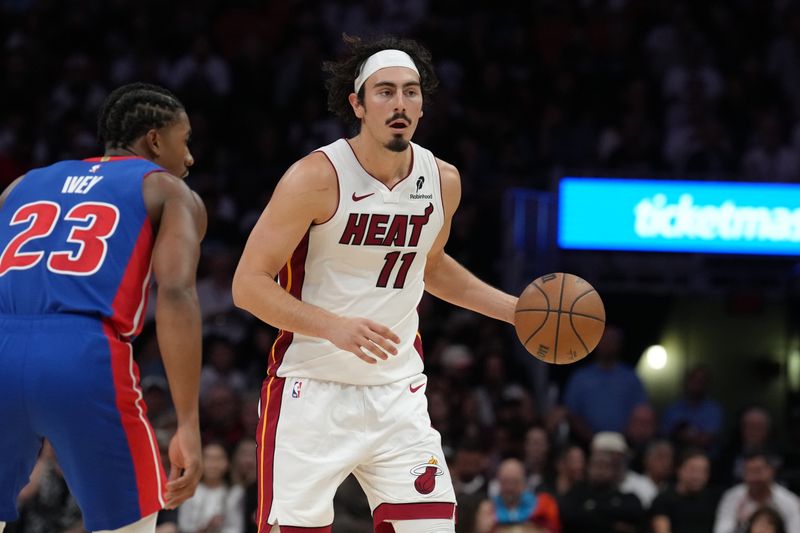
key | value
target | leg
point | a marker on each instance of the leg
(19, 443)
(406, 478)
(90, 408)
(2, 526)
(145, 525)
(305, 451)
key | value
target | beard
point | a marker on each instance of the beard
(397, 144)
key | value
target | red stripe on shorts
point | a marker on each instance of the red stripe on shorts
(271, 396)
(295, 529)
(410, 511)
(150, 477)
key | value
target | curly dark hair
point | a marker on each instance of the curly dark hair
(772, 516)
(343, 73)
(133, 109)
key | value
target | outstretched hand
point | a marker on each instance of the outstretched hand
(186, 465)
(366, 339)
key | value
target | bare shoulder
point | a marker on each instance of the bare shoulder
(313, 173)
(451, 179)
(161, 187)
(309, 188)
(451, 184)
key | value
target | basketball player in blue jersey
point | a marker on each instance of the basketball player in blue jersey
(355, 232)
(78, 241)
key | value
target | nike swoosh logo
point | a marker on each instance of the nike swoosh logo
(414, 389)
(359, 198)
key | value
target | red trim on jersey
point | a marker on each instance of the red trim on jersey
(441, 188)
(338, 189)
(271, 396)
(418, 345)
(410, 511)
(410, 168)
(298, 529)
(130, 302)
(107, 158)
(294, 271)
(291, 278)
(149, 472)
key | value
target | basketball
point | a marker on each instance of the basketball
(559, 318)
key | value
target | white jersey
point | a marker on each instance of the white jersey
(367, 260)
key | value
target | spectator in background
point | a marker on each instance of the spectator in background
(209, 510)
(201, 72)
(468, 470)
(753, 434)
(351, 508)
(758, 489)
(659, 463)
(220, 366)
(155, 392)
(220, 415)
(771, 158)
(243, 475)
(79, 91)
(537, 457)
(45, 503)
(598, 505)
(766, 520)
(249, 412)
(214, 288)
(696, 419)
(515, 503)
(601, 395)
(640, 432)
(688, 506)
(629, 482)
(494, 388)
(570, 469)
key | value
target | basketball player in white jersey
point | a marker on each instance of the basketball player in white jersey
(354, 232)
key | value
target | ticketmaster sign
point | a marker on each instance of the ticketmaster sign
(679, 216)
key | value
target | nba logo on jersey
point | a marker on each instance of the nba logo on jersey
(296, 389)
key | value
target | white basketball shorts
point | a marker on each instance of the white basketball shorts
(312, 434)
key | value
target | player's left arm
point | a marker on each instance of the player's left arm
(8, 190)
(445, 278)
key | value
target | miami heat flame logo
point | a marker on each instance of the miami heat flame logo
(426, 475)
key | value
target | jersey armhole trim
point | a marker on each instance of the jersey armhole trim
(441, 189)
(144, 176)
(338, 192)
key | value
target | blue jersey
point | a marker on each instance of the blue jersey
(75, 238)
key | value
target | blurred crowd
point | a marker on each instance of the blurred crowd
(672, 88)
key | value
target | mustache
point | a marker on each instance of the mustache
(398, 116)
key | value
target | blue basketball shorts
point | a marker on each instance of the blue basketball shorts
(70, 379)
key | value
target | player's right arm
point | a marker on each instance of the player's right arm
(306, 194)
(180, 217)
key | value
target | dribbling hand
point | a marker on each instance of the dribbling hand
(364, 338)
(186, 465)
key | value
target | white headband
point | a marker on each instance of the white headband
(383, 59)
